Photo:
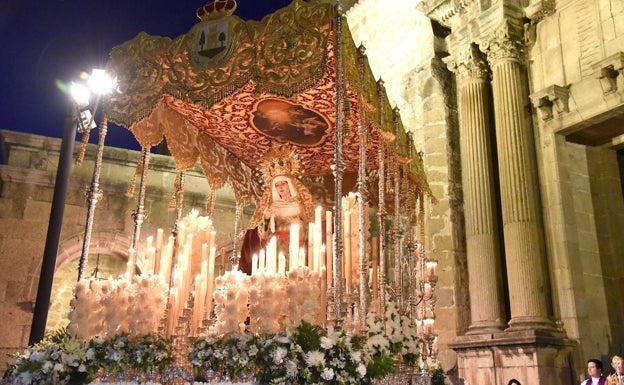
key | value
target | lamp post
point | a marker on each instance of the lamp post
(44, 290)
(80, 97)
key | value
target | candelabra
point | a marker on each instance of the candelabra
(422, 303)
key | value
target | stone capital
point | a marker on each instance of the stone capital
(468, 64)
(501, 47)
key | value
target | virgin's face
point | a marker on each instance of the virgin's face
(282, 189)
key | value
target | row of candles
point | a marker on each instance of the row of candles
(177, 262)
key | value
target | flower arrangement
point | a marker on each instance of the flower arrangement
(54, 360)
(307, 354)
(62, 358)
(117, 305)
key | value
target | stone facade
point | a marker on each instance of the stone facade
(521, 127)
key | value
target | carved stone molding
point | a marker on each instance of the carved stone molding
(539, 10)
(610, 68)
(549, 97)
(445, 11)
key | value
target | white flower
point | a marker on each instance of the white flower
(278, 355)
(361, 369)
(291, 368)
(327, 374)
(314, 358)
(327, 343)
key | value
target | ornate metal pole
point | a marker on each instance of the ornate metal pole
(381, 209)
(363, 194)
(93, 196)
(139, 214)
(338, 172)
(396, 227)
(235, 256)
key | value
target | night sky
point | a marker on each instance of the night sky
(45, 41)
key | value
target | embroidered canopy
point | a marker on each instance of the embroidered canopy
(229, 90)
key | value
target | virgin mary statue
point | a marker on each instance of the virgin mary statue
(285, 202)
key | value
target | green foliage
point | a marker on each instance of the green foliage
(437, 375)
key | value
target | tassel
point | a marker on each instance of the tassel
(83, 147)
(174, 197)
(137, 172)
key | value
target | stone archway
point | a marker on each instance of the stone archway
(108, 256)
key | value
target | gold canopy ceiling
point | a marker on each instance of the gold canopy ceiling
(229, 90)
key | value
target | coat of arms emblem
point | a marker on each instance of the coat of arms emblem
(213, 37)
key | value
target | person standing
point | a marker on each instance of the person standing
(617, 375)
(594, 370)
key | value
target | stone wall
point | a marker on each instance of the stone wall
(27, 179)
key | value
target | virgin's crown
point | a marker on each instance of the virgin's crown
(278, 161)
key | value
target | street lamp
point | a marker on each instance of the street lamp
(75, 117)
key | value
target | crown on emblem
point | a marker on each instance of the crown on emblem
(217, 9)
(279, 161)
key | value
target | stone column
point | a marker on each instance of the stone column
(482, 243)
(524, 250)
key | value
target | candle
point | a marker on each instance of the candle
(318, 238)
(281, 264)
(254, 264)
(213, 236)
(347, 250)
(431, 268)
(222, 253)
(171, 314)
(150, 260)
(375, 283)
(165, 263)
(210, 282)
(158, 254)
(293, 246)
(317, 215)
(302, 257)
(428, 290)
(181, 234)
(208, 230)
(323, 295)
(428, 324)
(130, 266)
(149, 242)
(196, 303)
(271, 255)
(310, 263)
(262, 261)
(329, 246)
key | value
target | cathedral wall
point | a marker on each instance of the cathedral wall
(578, 47)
